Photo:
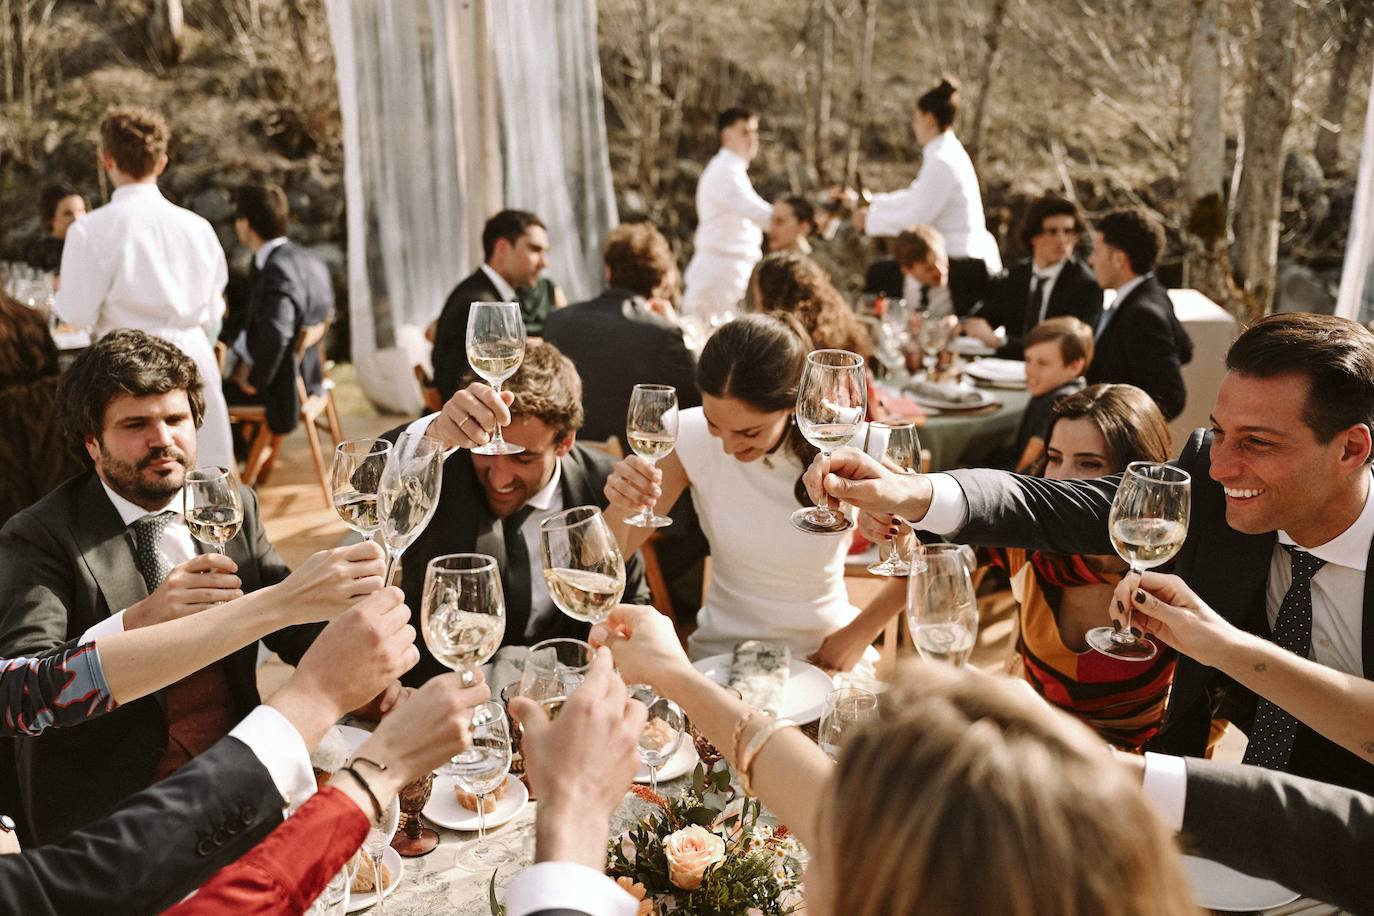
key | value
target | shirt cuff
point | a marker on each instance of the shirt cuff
(948, 511)
(279, 747)
(107, 627)
(1166, 786)
(418, 427)
(567, 886)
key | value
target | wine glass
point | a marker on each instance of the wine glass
(662, 732)
(333, 900)
(355, 479)
(831, 402)
(408, 493)
(213, 510)
(555, 668)
(496, 347)
(934, 335)
(895, 336)
(583, 566)
(846, 710)
(482, 774)
(414, 838)
(1148, 524)
(651, 428)
(941, 609)
(379, 834)
(896, 444)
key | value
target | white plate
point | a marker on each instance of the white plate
(444, 810)
(970, 346)
(803, 700)
(1217, 887)
(680, 764)
(984, 399)
(997, 370)
(392, 860)
(353, 735)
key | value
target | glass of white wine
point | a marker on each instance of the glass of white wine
(897, 446)
(408, 493)
(941, 608)
(583, 566)
(651, 428)
(847, 709)
(1148, 524)
(483, 771)
(213, 510)
(496, 347)
(831, 402)
(355, 479)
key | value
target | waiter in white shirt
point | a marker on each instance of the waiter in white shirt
(142, 262)
(731, 217)
(944, 196)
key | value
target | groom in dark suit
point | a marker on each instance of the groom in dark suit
(1280, 537)
(494, 504)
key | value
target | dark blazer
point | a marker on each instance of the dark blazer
(450, 356)
(66, 564)
(1144, 345)
(291, 291)
(464, 524)
(1313, 838)
(616, 343)
(1007, 304)
(1227, 569)
(156, 847)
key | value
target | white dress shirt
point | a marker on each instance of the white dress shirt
(567, 886)
(944, 196)
(728, 243)
(1166, 787)
(505, 289)
(1047, 275)
(938, 300)
(142, 262)
(279, 747)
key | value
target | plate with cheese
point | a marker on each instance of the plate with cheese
(769, 679)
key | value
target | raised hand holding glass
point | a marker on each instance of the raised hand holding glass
(651, 428)
(897, 445)
(496, 348)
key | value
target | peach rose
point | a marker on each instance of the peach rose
(690, 852)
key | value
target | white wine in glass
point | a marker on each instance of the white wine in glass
(463, 610)
(897, 446)
(495, 348)
(1148, 525)
(832, 400)
(355, 478)
(583, 567)
(482, 771)
(942, 610)
(408, 493)
(651, 428)
(212, 507)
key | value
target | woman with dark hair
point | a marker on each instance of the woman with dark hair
(769, 580)
(791, 282)
(945, 196)
(792, 225)
(58, 207)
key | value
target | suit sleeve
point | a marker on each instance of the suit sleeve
(37, 589)
(272, 327)
(1013, 510)
(155, 847)
(1311, 837)
(450, 355)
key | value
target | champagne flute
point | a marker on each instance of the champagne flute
(651, 428)
(1148, 524)
(896, 444)
(408, 493)
(662, 732)
(846, 710)
(213, 510)
(480, 775)
(583, 566)
(831, 402)
(379, 834)
(941, 609)
(356, 477)
(496, 347)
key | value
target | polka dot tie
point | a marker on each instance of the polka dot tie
(1271, 736)
(152, 562)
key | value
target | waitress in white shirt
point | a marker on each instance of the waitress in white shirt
(731, 217)
(944, 196)
(142, 262)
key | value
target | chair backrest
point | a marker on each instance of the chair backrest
(611, 446)
(311, 335)
(429, 392)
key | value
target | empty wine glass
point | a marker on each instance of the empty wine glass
(662, 732)
(496, 347)
(651, 428)
(583, 566)
(934, 335)
(1148, 524)
(379, 834)
(355, 478)
(897, 445)
(894, 337)
(831, 402)
(555, 668)
(480, 775)
(846, 710)
(942, 610)
(212, 507)
(408, 493)
(333, 900)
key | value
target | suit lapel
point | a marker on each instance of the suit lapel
(576, 491)
(100, 533)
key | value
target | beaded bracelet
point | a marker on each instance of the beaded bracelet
(755, 747)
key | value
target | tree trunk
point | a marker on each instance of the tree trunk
(651, 97)
(860, 104)
(1268, 110)
(166, 30)
(820, 40)
(1352, 25)
(992, 39)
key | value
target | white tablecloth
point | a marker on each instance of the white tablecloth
(1212, 329)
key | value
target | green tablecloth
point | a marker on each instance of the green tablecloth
(968, 440)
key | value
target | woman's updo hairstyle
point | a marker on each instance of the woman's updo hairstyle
(941, 103)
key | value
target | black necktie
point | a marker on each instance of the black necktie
(517, 576)
(1271, 735)
(1035, 308)
(152, 563)
(925, 298)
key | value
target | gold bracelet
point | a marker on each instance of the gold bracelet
(755, 747)
(739, 733)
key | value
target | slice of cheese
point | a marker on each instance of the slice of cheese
(759, 671)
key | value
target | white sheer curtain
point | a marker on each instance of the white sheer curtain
(453, 109)
(1356, 299)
